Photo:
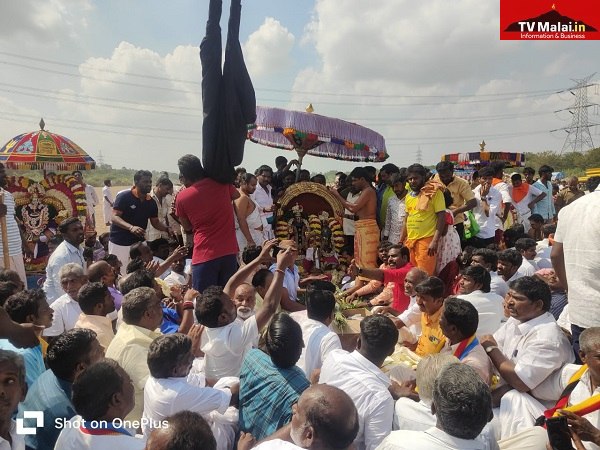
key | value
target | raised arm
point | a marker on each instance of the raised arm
(273, 295)
(244, 272)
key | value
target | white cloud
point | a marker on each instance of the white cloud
(268, 50)
(44, 21)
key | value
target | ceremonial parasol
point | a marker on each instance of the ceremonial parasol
(42, 150)
(316, 135)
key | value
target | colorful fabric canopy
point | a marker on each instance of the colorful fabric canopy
(42, 150)
(485, 158)
(316, 135)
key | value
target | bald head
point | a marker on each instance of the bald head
(414, 277)
(186, 431)
(326, 417)
(97, 270)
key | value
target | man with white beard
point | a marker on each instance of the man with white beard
(324, 418)
(244, 299)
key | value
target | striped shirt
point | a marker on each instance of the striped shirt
(12, 229)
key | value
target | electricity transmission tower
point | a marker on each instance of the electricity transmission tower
(419, 155)
(579, 138)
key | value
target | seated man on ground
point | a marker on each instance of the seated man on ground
(359, 375)
(430, 300)
(171, 389)
(488, 259)
(362, 287)
(142, 315)
(559, 295)
(474, 286)
(68, 356)
(510, 265)
(462, 405)
(291, 280)
(459, 324)
(66, 309)
(270, 383)
(416, 415)
(30, 307)
(398, 261)
(226, 340)
(96, 303)
(318, 338)
(104, 273)
(528, 249)
(526, 351)
(12, 380)
(324, 418)
(186, 431)
(102, 397)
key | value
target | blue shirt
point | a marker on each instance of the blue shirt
(34, 360)
(291, 278)
(134, 211)
(267, 394)
(545, 207)
(52, 396)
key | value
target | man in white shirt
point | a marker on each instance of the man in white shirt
(576, 260)
(171, 388)
(497, 168)
(13, 390)
(488, 259)
(102, 397)
(318, 338)
(263, 197)
(545, 207)
(510, 265)
(162, 194)
(66, 309)
(463, 406)
(324, 417)
(416, 415)
(15, 245)
(68, 251)
(474, 286)
(526, 351)
(459, 324)
(524, 197)
(107, 202)
(527, 247)
(489, 200)
(91, 200)
(226, 339)
(359, 375)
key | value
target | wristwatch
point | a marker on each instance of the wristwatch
(490, 348)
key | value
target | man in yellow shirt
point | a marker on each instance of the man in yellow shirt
(425, 209)
(430, 302)
(462, 194)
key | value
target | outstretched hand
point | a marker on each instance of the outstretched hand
(286, 258)
(265, 254)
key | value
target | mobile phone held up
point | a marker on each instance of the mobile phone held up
(558, 433)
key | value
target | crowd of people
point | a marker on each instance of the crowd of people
(188, 325)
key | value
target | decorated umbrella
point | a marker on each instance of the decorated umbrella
(42, 150)
(316, 135)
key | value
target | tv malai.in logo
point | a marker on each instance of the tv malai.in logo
(538, 20)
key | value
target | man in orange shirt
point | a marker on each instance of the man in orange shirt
(425, 208)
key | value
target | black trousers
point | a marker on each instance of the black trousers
(228, 98)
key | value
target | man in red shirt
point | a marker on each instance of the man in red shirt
(228, 105)
(204, 208)
(398, 260)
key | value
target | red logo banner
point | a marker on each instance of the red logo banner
(533, 20)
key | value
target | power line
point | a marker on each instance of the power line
(197, 82)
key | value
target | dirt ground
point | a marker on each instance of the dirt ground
(100, 226)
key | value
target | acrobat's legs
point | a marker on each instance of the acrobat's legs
(229, 102)
(212, 86)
